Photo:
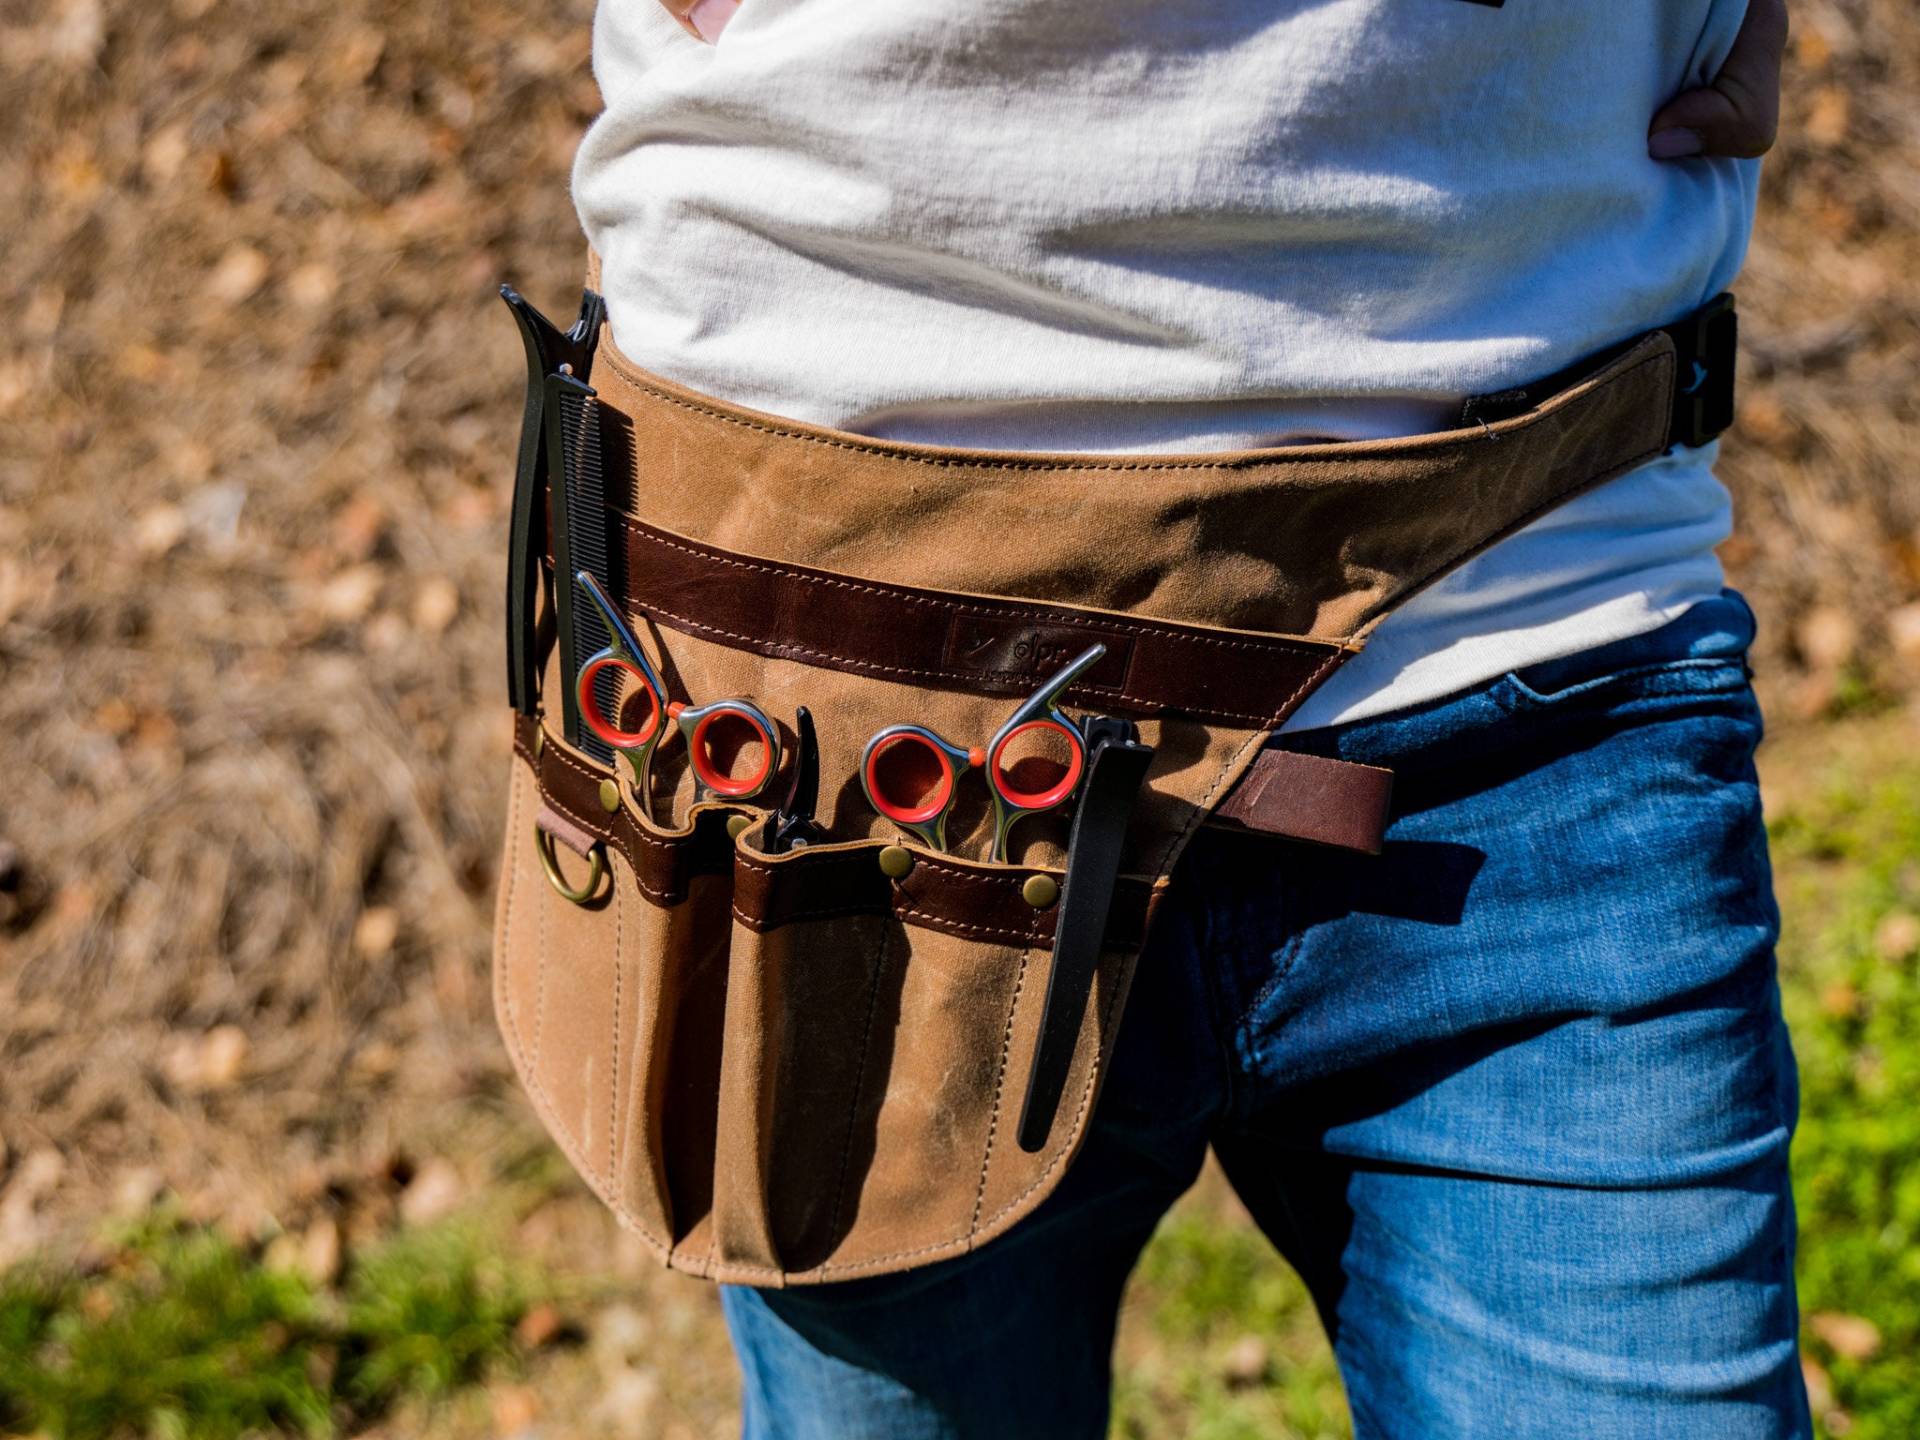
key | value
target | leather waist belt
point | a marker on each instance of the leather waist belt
(1569, 427)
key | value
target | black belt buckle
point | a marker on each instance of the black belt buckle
(1707, 343)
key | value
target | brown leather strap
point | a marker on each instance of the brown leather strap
(1311, 797)
(979, 644)
(576, 838)
(938, 893)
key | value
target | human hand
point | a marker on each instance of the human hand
(1740, 112)
(702, 19)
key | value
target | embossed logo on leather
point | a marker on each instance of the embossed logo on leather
(1021, 648)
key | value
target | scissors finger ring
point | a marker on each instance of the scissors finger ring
(912, 775)
(717, 735)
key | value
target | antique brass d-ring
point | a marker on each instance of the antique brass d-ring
(596, 867)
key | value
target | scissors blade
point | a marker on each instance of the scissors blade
(1116, 770)
(793, 822)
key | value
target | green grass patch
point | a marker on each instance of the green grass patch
(428, 1312)
(1236, 1351)
(1848, 866)
(183, 1335)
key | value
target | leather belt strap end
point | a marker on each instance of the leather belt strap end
(575, 837)
(1311, 797)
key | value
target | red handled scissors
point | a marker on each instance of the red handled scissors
(714, 733)
(912, 776)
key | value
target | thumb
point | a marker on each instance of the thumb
(1739, 114)
(703, 19)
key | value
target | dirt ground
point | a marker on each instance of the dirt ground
(258, 404)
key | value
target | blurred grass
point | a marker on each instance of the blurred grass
(182, 1334)
(1847, 861)
(1230, 1348)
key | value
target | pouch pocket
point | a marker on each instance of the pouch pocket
(877, 1042)
(611, 1007)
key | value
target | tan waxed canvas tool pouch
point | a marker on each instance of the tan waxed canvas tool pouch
(810, 1066)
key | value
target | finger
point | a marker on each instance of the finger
(702, 19)
(1739, 114)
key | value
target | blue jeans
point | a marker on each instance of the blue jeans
(1513, 1097)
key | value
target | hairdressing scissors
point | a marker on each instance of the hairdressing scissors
(912, 776)
(714, 733)
(794, 825)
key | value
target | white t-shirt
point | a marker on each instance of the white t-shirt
(1183, 225)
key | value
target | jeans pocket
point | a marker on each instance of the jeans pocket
(1703, 651)
(1529, 688)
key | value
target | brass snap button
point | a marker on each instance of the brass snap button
(1040, 891)
(737, 825)
(895, 862)
(609, 795)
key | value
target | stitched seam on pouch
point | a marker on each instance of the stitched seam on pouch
(543, 1106)
(928, 919)
(1022, 938)
(622, 366)
(1079, 1116)
(999, 1089)
(903, 905)
(880, 958)
(613, 1097)
(540, 982)
(503, 978)
(955, 1242)
(956, 874)
(955, 871)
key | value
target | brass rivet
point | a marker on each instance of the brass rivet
(1040, 891)
(737, 825)
(539, 742)
(609, 795)
(895, 862)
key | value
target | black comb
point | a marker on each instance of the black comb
(549, 349)
(579, 543)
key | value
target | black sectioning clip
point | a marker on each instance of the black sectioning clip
(549, 351)
(1116, 768)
